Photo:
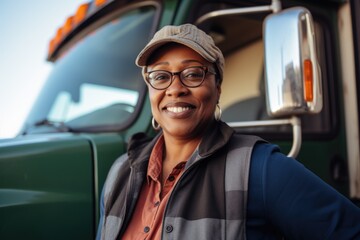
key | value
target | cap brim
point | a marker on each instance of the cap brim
(144, 55)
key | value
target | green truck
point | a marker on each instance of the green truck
(52, 173)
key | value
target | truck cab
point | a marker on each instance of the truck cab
(95, 99)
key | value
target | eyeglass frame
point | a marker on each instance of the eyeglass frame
(173, 74)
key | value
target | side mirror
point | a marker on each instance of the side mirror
(292, 72)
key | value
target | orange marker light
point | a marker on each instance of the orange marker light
(55, 41)
(81, 13)
(308, 81)
(98, 3)
(51, 47)
(68, 26)
(58, 36)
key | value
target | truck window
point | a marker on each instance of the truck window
(96, 102)
(243, 89)
(95, 84)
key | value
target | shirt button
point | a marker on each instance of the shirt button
(169, 228)
(146, 229)
(171, 178)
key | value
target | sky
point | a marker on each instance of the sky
(26, 28)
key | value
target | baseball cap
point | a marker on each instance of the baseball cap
(188, 35)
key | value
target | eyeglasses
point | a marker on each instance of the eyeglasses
(190, 77)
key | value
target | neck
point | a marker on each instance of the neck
(177, 151)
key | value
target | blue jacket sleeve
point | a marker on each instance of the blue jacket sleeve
(101, 220)
(286, 198)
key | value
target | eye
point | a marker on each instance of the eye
(193, 73)
(159, 76)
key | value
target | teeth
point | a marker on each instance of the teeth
(178, 109)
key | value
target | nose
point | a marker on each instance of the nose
(176, 88)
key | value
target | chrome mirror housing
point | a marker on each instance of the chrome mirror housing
(292, 72)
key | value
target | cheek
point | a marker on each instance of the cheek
(155, 97)
(208, 98)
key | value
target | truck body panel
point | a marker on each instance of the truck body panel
(42, 180)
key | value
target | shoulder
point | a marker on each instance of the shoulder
(268, 158)
(238, 141)
(113, 173)
(271, 169)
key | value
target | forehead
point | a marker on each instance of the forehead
(174, 51)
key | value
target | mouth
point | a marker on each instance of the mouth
(179, 108)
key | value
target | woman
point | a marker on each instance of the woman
(198, 179)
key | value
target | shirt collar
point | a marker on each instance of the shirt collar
(155, 161)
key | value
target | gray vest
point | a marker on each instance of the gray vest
(236, 189)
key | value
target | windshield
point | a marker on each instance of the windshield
(96, 84)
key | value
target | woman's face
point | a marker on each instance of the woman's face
(183, 112)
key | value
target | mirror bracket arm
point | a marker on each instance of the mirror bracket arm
(294, 121)
(296, 124)
(274, 7)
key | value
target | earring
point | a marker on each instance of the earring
(154, 124)
(218, 115)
